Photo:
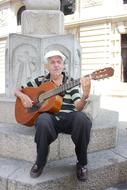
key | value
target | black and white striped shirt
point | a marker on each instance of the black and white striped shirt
(69, 95)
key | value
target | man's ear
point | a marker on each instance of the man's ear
(46, 66)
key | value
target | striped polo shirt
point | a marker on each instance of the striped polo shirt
(69, 96)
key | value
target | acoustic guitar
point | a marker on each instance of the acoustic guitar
(47, 98)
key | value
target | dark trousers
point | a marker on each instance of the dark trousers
(77, 124)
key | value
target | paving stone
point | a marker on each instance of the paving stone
(122, 186)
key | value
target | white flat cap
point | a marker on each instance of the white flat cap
(54, 53)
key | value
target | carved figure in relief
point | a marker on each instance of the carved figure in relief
(25, 63)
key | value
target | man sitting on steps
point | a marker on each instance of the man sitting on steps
(69, 120)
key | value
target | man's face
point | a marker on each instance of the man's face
(55, 65)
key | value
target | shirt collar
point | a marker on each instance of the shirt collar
(65, 77)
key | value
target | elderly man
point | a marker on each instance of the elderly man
(69, 120)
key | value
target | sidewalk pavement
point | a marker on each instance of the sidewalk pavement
(118, 104)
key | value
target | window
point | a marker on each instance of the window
(67, 6)
(125, 1)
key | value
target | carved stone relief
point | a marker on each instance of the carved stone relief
(72, 65)
(70, 47)
(25, 61)
(64, 50)
(4, 17)
(77, 63)
(90, 3)
(25, 58)
(42, 22)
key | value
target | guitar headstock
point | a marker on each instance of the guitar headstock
(102, 73)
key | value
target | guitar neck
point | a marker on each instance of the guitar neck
(62, 88)
(66, 86)
(96, 75)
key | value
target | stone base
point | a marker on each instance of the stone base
(7, 110)
(21, 138)
(17, 141)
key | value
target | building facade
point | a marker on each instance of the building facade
(99, 25)
(102, 30)
(8, 24)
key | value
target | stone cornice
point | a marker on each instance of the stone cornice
(4, 2)
(112, 19)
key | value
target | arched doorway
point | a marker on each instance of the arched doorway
(124, 56)
(19, 14)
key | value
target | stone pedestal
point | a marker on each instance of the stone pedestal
(42, 18)
(42, 4)
(42, 22)
(43, 31)
(17, 141)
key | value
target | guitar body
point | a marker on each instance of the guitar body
(28, 116)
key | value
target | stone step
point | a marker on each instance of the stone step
(105, 170)
(121, 149)
(17, 141)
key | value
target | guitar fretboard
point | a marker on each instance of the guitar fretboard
(99, 74)
(61, 89)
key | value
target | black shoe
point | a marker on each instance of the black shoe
(35, 171)
(82, 172)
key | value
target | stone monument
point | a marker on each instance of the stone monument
(42, 18)
(42, 29)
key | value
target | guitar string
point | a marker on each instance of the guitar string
(61, 89)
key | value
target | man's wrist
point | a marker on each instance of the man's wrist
(84, 98)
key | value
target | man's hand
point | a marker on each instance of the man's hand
(26, 101)
(86, 85)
